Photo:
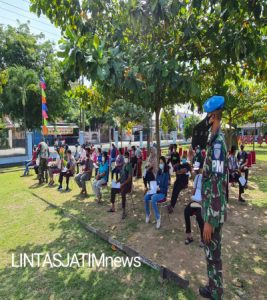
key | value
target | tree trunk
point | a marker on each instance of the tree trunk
(230, 135)
(254, 136)
(157, 132)
(121, 136)
(83, 119)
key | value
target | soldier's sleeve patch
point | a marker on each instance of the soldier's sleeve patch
(218, 159)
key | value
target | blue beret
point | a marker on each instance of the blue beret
(213, 103)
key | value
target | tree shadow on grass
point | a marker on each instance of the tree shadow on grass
(81, 283)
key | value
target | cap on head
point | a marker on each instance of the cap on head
(213, 103)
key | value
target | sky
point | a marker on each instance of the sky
(12, 11)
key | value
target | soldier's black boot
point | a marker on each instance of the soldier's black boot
(204, 292)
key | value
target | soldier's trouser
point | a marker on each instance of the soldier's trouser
(42, 168)
(214, 264)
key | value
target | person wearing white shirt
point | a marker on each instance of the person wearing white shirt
(194, 207)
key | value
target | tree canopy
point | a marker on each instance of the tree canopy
(24, 57)
(162, 52)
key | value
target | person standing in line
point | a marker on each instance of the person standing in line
(214, 197)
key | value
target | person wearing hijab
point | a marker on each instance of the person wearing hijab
(151, 168)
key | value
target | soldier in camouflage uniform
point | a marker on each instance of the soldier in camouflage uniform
(214, 195)
(43, 152)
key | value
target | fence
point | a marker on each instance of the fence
(16, 147)
(12, 142)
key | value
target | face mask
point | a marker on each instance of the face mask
(126, 160)
(161, 166)
(184, 160)
(208, 121)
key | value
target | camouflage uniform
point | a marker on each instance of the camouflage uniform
(43, 154)
(214, 195)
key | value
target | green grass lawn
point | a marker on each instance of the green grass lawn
(261, 152)
(28, 225)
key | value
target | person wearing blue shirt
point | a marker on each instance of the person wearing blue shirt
(162, 179)
(102, 176)
(113, 153)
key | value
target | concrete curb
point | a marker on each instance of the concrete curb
(165, 273)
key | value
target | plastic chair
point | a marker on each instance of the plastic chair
(164, 203)
(129, 195)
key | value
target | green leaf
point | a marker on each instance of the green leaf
(152, 88)
(89, 58)
(165, 72)
(96, 41)
(100, 73)
(183, 10)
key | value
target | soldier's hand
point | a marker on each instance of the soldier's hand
(208, 229)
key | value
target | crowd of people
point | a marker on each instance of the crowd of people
(211, 171)
(123, 165)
